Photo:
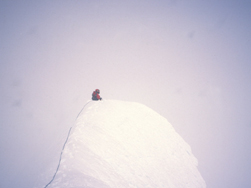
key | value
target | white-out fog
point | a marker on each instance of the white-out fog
(187, 60)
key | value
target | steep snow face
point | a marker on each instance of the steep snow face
(117, 144)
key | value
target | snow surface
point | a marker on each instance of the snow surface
(116, 144)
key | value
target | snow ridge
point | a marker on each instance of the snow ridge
(63, 150)
(127, 145)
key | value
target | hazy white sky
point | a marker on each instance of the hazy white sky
(187, 60)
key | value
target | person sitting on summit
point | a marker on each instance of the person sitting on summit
(95, 95)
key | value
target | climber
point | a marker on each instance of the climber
(95, 95)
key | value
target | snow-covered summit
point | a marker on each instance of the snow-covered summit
(117, 144)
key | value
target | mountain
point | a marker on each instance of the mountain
(117, 144)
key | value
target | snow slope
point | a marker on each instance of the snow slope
(116, 144)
